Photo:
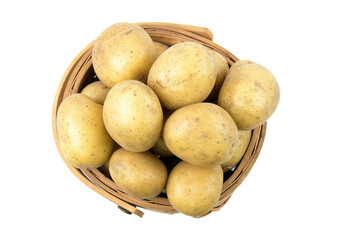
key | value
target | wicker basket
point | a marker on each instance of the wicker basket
(80, 73)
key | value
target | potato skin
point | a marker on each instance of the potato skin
(222, 68)
(202, 134)
(250, 93)
(194, 190)
(83, 138)
(133, 115)
(97, 91)
(123, 51)
(182, 75)
(244, 140)
(138, 174)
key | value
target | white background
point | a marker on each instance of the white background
(305, 183)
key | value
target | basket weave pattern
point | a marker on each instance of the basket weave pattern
(80, 72)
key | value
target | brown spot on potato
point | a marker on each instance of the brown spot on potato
(128, 32)
(159, 84)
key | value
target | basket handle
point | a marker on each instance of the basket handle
(202, 31)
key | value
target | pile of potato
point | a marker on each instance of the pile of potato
(165, 119)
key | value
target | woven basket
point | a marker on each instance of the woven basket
(80, 73)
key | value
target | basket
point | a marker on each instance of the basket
(80, 73)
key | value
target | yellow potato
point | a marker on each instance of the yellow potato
(202, 134)
(160, 47)
(222, 69)
(160, 147)
(123, 51)
(133, 115)
(138, 174)
(97, 91)
(194, 190)
(250, 93)
(244, 140)
(182, 75)
(83, 138)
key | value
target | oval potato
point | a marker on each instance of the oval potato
(250, 93)
(123, 51)
(133, 115)
(194, 190)
(83, 138)
(138, 174)
(202, 134)
(182, 75)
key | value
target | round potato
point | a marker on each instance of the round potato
(250, 93)
(123, 51)
(202, 134)
(138, 174)
(83, 138)
(97, 91)
(160, 47)
(244, 140)
(222, 69)
(133, 115)
(182, 75)
(160, 147)
(194, 190)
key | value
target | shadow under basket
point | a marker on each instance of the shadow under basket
(81, 72)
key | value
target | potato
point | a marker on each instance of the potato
(133, 115)
(83, 138)
(250, 93)
(182, 75)
(138, 174)
(202, 134)
(160, 48)
(194, 190)
(97, 91)
(160, 147)
(222, 69)
(244, 140)
(123, 51)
